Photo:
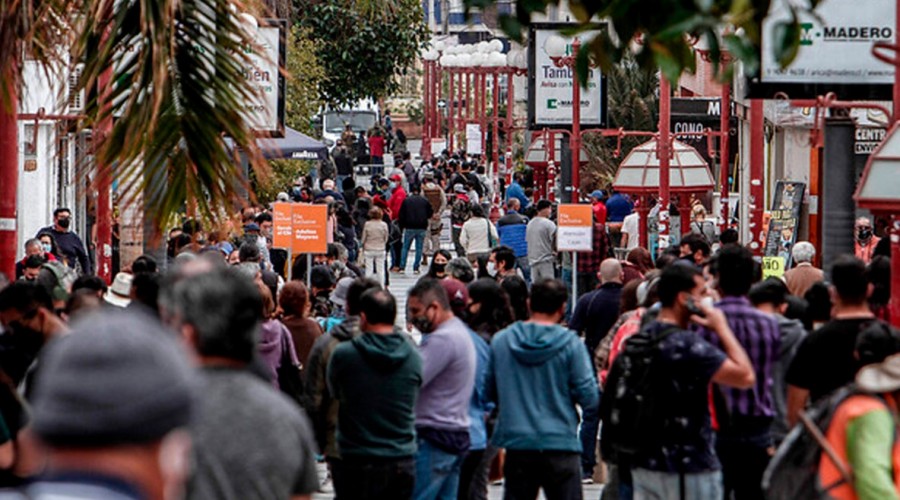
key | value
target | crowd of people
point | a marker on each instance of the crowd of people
(222, 370)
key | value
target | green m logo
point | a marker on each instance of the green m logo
(806, 36)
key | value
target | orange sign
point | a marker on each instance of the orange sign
(282, 225)
(309, 228)
(575, 228)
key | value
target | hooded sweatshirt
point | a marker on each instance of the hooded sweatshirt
(537, 374)
(274, 339)
(376, 380)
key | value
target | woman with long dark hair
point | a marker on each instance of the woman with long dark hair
(438, 267)
(517, 290)
(487, 312)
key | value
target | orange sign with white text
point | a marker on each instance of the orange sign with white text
(308, 223)
(575, 228)
(282, 225)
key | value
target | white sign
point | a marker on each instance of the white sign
(835, 45)
(473, 138)
(552, 85)
(265, 113)
(575, 229)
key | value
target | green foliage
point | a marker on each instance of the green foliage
(667, 28)
(633, 105)
(363, 44)
(305, 74)
(416, 112)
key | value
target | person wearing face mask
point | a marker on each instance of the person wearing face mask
(124, 435)
(34, 247)
(448, 378)
(70, 246)
(438, 268)
(866, 240)
(501, 264)
(26, 315)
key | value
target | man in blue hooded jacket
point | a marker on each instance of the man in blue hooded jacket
(538, 371)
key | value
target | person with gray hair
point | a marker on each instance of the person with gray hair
(802, 277)
(460, 269)
(250, 441)
(33, 246)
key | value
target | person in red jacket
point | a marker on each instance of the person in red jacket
(398, 194)
(376, 151)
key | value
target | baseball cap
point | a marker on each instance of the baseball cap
(251, 227)
(117, 378)
(597, 194)
(396, 177)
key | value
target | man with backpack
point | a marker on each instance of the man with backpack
(437, 198)
(656, 419)
(460, 211)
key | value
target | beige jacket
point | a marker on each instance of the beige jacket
(375, 236)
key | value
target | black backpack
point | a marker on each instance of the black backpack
(794, 470)
(635, 393)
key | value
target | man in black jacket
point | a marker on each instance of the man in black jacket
(414, 215)
(71, 248)
(343, 162)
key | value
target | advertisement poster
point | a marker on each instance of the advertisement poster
(575, 228)
(282, 225)
(550, 89)
(785, 217)
(309, 228)
(835, 43)
(266, 113)
(473, 138)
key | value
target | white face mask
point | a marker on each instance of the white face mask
(491, 268)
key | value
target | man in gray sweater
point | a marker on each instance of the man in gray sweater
(448, 377)
(541, 238)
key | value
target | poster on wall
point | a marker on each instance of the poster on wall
(784, 220)
(550, 81)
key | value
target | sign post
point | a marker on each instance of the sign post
(574, 233)
(283, 230)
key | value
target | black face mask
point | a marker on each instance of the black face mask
(64, 222)
(438, 268)
(864, 234)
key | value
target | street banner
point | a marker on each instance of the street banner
(267, 54)
(309, 228)
(782, 228)
(282, 225)
(575, 228)
(773, 267)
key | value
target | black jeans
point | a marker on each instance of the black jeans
(373, 478)
(558, 473)
(743, 451)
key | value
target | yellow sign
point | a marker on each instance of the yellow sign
(773, 267)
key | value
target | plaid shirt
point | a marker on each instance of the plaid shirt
(589, 262)
(758, 333)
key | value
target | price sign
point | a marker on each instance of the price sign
(773, 267)
(575, 228)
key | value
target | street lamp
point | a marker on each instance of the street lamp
(557, 48)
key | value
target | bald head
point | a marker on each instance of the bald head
(610, 271)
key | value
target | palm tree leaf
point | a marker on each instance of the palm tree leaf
(179, 87)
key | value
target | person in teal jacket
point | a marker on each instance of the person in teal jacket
(538, 372)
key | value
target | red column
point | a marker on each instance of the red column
(9, 174)
(723, 152)
(575, 138)
(104, 184)
(425, 150)
(643, 213)
(757, 158)
(495, 143)
(663, 152)
(451, 111)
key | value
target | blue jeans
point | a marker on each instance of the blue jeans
(654, 485)
(408, 236)
(590, 426)
(437, 473)
(522, 263)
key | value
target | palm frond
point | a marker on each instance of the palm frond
(179, 87)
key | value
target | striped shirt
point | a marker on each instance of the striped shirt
(758, 333)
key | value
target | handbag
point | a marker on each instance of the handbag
(290, 377)
(491, 241)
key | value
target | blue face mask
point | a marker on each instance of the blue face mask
(46, 247)
(393, 185)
